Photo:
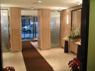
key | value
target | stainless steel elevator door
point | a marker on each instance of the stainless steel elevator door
(4, 30)
(55, 29)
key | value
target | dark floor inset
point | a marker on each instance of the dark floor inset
(33, 59)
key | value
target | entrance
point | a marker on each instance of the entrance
(29, 27)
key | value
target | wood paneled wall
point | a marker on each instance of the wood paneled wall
(15, 29)
(65, 28)
(44, 39)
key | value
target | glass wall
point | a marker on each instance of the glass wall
(55, 29)
(29, 27)
(5, 30)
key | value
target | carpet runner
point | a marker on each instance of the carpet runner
(33, 59)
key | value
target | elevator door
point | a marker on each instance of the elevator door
(55, 29)
(4, 30)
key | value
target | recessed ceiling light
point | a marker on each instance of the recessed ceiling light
(39, 0)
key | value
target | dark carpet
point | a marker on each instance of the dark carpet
(33, 59)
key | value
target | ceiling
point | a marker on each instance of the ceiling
(46, 4)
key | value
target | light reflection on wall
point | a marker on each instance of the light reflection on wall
(67, 19)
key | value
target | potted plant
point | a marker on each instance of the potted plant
(73, 36)
(9, 68)
(75, 65)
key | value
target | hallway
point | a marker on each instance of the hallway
(55, 57)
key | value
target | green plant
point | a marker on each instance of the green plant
(79, 33)
(73, 35)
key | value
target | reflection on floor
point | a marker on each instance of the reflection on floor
(28, 35)
(56, 57)
(33, 39)
(14, 59)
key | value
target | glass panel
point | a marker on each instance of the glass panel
(76, 19)
(55, 29)
(28, 27)
(36, 27)
(4, 30)
(76, 22)
(31, 27)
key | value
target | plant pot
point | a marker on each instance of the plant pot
(73, 40)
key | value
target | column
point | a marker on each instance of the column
(44, 39)
(15, 29)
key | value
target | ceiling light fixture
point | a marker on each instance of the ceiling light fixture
(39, 0)
(62, 8)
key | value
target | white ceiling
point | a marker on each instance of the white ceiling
(46, 4)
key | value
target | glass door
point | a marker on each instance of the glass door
(35, 31)
(29, 27)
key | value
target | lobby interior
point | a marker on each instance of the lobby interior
(42, 35)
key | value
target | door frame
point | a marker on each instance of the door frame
(34, 26)
(84, 32)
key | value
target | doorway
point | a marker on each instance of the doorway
(29, 27)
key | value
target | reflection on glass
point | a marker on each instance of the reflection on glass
(55, 29)
(4, 29)
(76, 21)
(29, 27)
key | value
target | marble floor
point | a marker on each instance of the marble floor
(55, 57)
(14, 59)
